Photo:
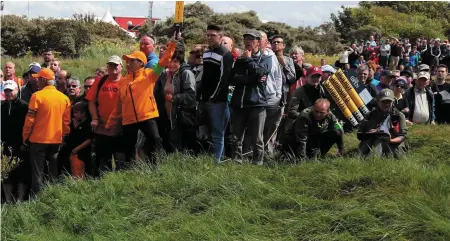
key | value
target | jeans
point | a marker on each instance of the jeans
(249, 120)
(218, 115)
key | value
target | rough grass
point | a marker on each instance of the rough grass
(187, 198)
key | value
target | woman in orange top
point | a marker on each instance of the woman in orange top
(136, 106)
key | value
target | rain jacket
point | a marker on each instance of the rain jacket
(136, 102)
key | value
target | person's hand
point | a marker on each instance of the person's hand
(373, 130)
(176, 36)
(263, 79)
(94, 124)
(24, 147)
(281, 60)
(247, 54)
(74, 151)
(409, 122)
(168, 97)
(406, 110)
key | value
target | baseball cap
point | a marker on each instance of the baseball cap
(424, 74)
(387, 73)
(424, 67)
(252, 32)
(45, 73)
(115, 60)
(386, 94)
(401, 81)
(136, 55)
(33, 69)
(328, 68)
(10, 85)
(314, 70)
(34, 64)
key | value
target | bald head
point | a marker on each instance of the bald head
(227, 42)
(263, 42)
(321, 109)
(10, 70)
(146, 45)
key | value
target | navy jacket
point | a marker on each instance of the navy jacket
(246, 76)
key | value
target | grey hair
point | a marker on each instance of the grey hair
(362, 68)
(76, 80)
(297, 49)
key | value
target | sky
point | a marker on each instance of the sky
(290, 12)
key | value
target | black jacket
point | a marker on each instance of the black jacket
(217, 64)
(13, 119)
(246, 77)
(411, 97)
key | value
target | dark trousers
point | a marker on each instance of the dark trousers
(383, 61)
(39, 154)
(15, 187)
(105, 147)
(381, 148)
(317, 145)
(152, 145)
(249, 120)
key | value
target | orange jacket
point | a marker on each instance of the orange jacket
(48, 117)
(136, 101)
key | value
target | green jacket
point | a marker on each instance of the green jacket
(302, 98)
(305, 125)
(396, 123)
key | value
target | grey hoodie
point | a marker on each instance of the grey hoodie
(274, 81)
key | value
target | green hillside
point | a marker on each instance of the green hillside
(187, 198)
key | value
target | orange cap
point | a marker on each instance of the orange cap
(136, 55)
(45, 73)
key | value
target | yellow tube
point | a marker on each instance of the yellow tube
(352, 92)
(340, 102)
(346, 97)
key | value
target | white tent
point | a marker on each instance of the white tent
(108, 18)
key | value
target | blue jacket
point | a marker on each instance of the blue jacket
(246, 77)
(151, 60)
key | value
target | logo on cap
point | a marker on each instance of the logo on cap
(387, 93)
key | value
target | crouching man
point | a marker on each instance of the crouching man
(384, 130)
(314, 132)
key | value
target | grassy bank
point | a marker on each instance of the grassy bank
(189, 198)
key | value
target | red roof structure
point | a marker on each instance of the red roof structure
(136, 22)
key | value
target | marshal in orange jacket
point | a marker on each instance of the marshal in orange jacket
(48, 117)
(136, 102)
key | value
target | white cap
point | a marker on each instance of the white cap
(328, 68)
(10, 85)
(34, 64)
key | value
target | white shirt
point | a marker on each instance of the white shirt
(421, 109)
(385, 50)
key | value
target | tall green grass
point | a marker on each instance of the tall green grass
(92, 57)
(190, 198)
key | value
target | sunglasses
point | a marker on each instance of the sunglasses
(399, 86)
(277, 42)
(72, 86)
(87, 86)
